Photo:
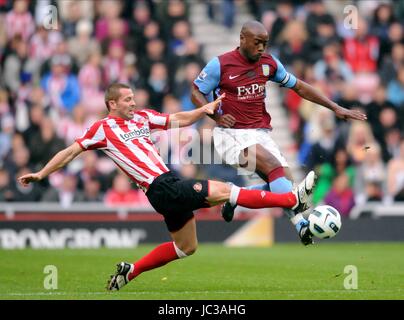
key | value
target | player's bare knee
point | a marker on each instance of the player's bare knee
(191, 250)
(188, 248)
(219, 191)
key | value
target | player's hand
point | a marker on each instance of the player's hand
(226, 121)
(346, 114)
(30, 177)
(211, 107)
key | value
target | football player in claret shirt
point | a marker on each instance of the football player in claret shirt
(243, 131)
(124, 136)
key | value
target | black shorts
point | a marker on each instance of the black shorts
(176, 198)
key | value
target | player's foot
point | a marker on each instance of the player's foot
(306, 237)
(302, 192)
(120, 278)
(227, 211)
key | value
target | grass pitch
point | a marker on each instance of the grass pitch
(285, 271)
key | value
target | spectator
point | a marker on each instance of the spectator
(395, 89)
(114, 63)
(284, 14)
(391, 63)
(7, 190)
(70, 128)
(66, 193)
(142, 99)
(121, 194)
(395, 175)
(183, 88)
(6, 135)
(141, 17)
(370, 178)
(45, 143)
(82, 46)
(386, 120)
(392, 138)
(340, 164)
(341, 195)
(19, 21)
(359, 138)
(323, 138)
(375, 107)
(171, 12)
(91, 81)
(92, 191)
(72, 15)
(61, 85)
(88, 170)
(180, 33)
(362, 51)
(293, 42)
(18, 65)
(155, 52)
(19, 158)
(109, 10)
(192, 53)
(333, 70)
(43, 43)
(383, 17)
(158, 84)
(317, 15)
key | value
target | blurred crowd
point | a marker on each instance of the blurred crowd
(52, 82)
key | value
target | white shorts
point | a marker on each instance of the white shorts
(230, 142)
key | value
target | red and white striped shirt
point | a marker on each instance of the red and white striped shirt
(128, 144)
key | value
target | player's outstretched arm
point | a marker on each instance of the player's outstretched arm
(186, 118)
(61, 159)
(199, 100)
(310, 93)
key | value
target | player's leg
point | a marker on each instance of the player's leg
(220, 192)
(278, 177)
(184, 244)
(279, 180)
(270, 169)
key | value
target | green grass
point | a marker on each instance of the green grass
(285, 271)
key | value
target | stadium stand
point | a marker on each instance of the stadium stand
(52, 82)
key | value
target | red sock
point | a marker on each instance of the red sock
(158, 257)
(256, 199)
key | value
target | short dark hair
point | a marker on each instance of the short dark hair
(112, 92)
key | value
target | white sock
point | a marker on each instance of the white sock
(296, 219)
(234, 192)
(181, 254)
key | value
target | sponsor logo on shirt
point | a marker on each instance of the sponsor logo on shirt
(253, 91)
(135, 134)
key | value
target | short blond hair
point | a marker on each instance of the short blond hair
(112, 92)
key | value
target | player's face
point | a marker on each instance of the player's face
(126, 106)
(253, 45)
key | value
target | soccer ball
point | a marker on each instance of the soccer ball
(324, 222)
